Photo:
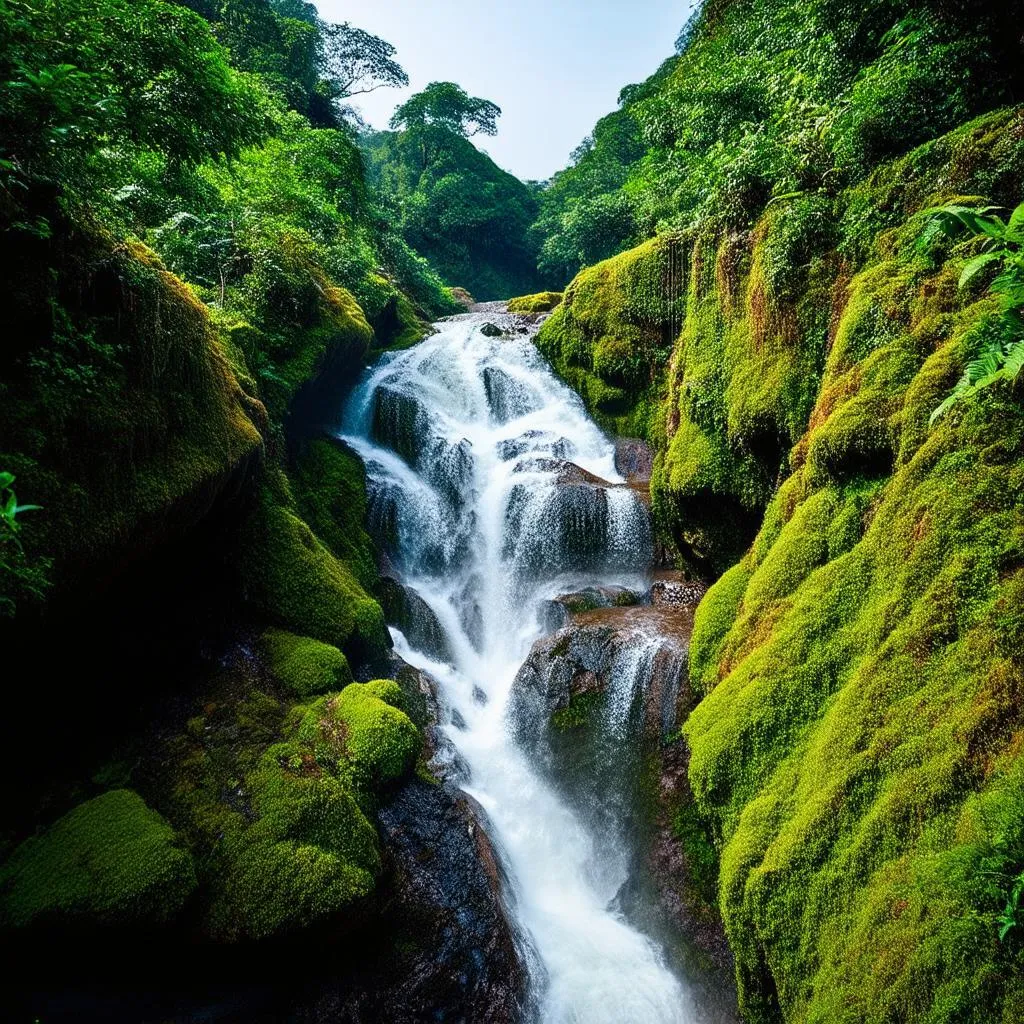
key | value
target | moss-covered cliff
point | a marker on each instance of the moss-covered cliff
(194, 526)
(856, 754)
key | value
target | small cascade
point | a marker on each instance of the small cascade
(491, 492)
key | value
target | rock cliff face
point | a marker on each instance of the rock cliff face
(856, 748)
(208, 594)
(600, 703)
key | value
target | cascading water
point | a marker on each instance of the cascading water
(487, 489)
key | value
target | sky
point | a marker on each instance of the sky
(553, 66)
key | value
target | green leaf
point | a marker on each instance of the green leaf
(975, 266)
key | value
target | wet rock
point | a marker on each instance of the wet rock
(479, 696)
(489, 330)
(398, 421)
(407, 611)
(449, 468)
(634, 459)
(507, 397)
(539, 441)
(642, 668)
(582, 521)
(458, 721)
(599, 704)
(456, 959)
(674, 589)
(598, 597)
(565, 472)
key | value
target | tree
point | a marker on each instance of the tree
(356, 62)
(447, 105)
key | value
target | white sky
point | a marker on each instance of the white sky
(553, 67)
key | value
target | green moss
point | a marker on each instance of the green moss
(110, 861)
(308, 323)
(861, 705)
(578, 712)
(613, 326)
(542, 302)
(127, 421)
(309, 854)
(380, 741)
(294, 580)
(329, 483)
(711, 624)
(306, 666)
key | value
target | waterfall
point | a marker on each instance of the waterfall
(492, 491)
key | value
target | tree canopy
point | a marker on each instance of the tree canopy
(356, 62)
(447, 105)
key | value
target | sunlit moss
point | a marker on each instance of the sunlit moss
(542, 302)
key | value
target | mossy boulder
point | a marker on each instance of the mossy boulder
(365, 727)
(122, 414)
(292, 578)
(111, 861)
(614, 325)
(329, 484)
(542, 302)
(309, 854)
(307, 667)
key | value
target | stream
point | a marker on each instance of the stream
(479, 466)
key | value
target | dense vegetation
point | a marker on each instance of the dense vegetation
(832, 188)
(470, 218)
(763, 100)
(794, 265)
(195, 265)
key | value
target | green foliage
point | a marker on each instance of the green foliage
(452, 203)
(578, 712)
(356, 62)
(307, 667)
(19, 578)
(768, 98)
(81, 82)
(447, 106)
(1002, 356)
(111, 861)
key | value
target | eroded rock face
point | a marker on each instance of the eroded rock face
(634, 459)
(599, 703)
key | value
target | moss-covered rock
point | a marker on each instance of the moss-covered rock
(365, 727)
(122, 415)
(329, 483)
(858, 748)
(856, 752)
(309, 853)
(110, 861)
(292, 578)
(306, 666)
(542, 302)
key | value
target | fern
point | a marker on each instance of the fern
(1002, 357)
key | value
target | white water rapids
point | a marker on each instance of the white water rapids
(466, 439)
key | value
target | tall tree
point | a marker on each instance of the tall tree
(356, 62)
(447, 105)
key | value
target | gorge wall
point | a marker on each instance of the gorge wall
(856, 751)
